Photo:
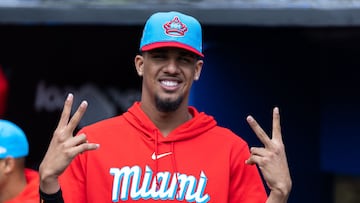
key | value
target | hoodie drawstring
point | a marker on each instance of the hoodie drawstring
(175, 169)
(173, 162)
(156, 161)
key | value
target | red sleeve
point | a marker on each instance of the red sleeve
(72, 181)
(246, 185)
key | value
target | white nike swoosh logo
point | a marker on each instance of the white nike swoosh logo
(154, 157)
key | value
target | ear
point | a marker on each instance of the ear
(139, 64)
(198, 69)
(7, 164)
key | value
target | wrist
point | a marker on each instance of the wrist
(49, 183)
(280, 193)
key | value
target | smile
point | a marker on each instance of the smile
(169, 83)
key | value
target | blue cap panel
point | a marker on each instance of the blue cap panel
(13, 141)
(172, 27)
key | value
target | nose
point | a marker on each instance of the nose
(172, 66)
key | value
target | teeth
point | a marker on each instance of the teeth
(169, 83)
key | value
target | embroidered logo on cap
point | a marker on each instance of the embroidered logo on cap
(175, 27)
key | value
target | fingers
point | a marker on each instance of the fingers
(75, 119)
(65, 127)
(65, 115)
(257, 154)
(253, 160)
(263, 137)
(276, 129)
(259, 151)
(80, 144)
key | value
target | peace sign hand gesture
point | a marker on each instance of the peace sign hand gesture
(63, 147)
(271, 159)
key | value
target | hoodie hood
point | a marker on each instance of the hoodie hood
(199, 124)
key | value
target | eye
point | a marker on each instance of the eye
(158, 55)
(186, 59)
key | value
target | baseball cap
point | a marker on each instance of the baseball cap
(172, 29)
(13, 142)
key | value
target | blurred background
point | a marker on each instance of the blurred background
(300, 55)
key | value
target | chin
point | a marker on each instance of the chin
(168, 105)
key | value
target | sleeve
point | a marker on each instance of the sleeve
(51, 198)
(246, 184)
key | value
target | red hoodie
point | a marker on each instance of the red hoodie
(30, 194)
(197, 162)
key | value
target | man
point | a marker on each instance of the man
(161, 149)
(18, 184)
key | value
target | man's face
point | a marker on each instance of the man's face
(168, 74)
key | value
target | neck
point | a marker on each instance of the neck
(13, 187)
(167, 121)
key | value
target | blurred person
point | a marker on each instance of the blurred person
(18, 184)
(161, 149)
(4, 89)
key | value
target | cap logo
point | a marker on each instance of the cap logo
(175, 27)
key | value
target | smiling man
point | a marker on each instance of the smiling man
(162, 149)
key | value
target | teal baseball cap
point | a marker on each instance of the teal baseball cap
(13, 141)
(172, 29)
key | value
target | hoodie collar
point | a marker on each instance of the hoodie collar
(199, 124)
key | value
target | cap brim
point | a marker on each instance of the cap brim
(170, 44)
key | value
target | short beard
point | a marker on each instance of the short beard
(166, 105)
